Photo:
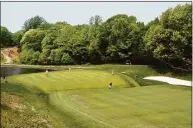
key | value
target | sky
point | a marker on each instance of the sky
(14, 14)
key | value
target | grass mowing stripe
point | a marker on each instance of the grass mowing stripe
(55, 81)
(79, 112)
(148, 108)
(139, 107)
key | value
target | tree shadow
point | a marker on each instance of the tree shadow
(13, 88)
(171, 72)
(4, 107)
(161, 69)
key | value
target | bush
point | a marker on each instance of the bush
(44, 56)
(29, 57)
(67, 59)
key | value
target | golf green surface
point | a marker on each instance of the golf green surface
(75, 79)
(82, 100)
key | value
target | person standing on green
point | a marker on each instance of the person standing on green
(110, 85)
(46, 72)
(6, 81)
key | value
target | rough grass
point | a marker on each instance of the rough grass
(2, 59)
(16, 108)
(81, 99)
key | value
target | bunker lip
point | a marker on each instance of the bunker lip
(169, 80)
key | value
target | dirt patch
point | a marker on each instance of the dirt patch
(12, 102)
(10, 54)
(15, 114)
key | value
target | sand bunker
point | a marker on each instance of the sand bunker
(169, 80)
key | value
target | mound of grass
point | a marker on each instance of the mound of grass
(75, 79)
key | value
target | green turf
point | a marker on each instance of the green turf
(75, 79)
(139, 107)
(81, 99)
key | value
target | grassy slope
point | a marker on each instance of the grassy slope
(81, 107)
(16, 107)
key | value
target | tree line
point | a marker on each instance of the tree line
(120, 39)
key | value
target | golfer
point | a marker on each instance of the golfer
(6, 80)
(112, 72)
(46, 71)
(135, 76)
(110, 85)
(69, 69)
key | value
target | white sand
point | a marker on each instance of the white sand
(169, 80)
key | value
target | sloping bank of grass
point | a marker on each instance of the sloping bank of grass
(65, 80)
(81, 99)
(22, 108)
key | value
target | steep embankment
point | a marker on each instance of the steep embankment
(9, 55)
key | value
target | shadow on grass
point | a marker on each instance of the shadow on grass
(161, 69)
(13, 88)
(164, 70)
(171, 72)
(4, 107)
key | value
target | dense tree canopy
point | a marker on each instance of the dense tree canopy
(17, 36)
(171, 40)
(120, 39)
(6, 38)
(33, 23)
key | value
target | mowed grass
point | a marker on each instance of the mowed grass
(64, 80)
(160, 106)
(81, 98)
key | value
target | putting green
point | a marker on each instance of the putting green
(63, 80)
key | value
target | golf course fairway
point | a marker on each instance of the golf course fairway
(81, 99)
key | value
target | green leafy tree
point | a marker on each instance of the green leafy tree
(151, 23)
(95, 20)
(56, 56)
(67, 59)
(45, 26)
(32, 39)
(93, 37)
(29, 57)
(33, 23)
(16, 37)
(119, 38)
(44, 57)
(6, 37)
(170, 41)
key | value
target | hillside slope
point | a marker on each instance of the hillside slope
(9, 55)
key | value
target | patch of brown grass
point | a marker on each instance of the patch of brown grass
(12, 101)
(15, 114)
